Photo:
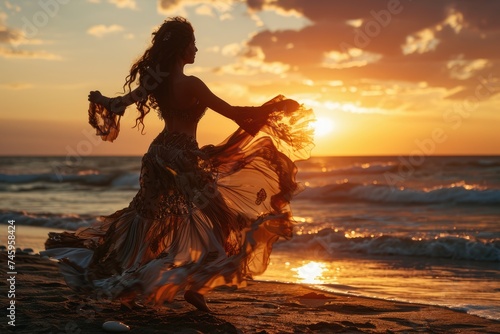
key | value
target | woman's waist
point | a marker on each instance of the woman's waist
(175, 139)
(178, 151)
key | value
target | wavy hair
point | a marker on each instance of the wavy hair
(169, 42)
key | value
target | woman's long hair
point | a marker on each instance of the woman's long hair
(169, 43)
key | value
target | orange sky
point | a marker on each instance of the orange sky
(384, 77)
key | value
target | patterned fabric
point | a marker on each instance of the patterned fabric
(104, 121)
(203, 217)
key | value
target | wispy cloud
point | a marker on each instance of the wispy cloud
(24, 54)
(130, 4)
(16, 86)
(101, 30)
(7, 35)
(15, 37)
(205, 10)
(221, 9)
(10, 6)
(232, 49)
(252, 66)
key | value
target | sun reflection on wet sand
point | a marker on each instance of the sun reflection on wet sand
(398, 278)
(312, 272)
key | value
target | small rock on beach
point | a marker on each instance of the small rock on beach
(115, 327)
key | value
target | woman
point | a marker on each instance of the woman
(203, 217)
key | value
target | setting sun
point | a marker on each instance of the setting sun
(323, 126)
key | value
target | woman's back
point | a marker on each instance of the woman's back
(179, 107)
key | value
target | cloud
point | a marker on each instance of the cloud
(23, 54)
(253, 68)
(7, 35)
(131, 4)
(232, 49)
(12, 7)
(447, 44)
(16, 86)
(251, 64)
(16, 37)
(220, 8)
(13, 38)
(205, 10)
(356, 57)
(101, 30)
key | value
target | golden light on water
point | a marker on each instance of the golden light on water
(312, 272)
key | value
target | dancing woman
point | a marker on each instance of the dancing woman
(203, 217)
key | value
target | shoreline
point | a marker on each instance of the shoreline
(44, 304)
(31, 238)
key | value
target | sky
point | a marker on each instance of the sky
(394, 77)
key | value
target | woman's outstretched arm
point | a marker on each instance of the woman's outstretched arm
(117, 105)
(249, 118)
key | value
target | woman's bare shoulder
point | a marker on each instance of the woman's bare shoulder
(188, 85)
(194, 80)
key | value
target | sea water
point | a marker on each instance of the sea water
(416, 229)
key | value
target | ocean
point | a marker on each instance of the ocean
(415, 229)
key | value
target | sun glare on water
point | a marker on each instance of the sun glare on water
(311, 272)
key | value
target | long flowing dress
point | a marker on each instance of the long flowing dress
(203, 217)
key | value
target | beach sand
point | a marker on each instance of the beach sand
(44, 304)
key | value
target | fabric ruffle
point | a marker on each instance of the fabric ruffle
(104, 121)
(203, 217)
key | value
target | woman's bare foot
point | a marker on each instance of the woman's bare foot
(197, 300)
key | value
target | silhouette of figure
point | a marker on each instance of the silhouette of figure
(203, 217)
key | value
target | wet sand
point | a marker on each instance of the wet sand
(44, 304)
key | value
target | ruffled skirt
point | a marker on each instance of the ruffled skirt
(203, 217)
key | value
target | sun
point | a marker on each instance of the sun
(323, 126)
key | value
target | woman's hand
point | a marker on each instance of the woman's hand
(114, 105)
(290, 105)
(97, 97)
